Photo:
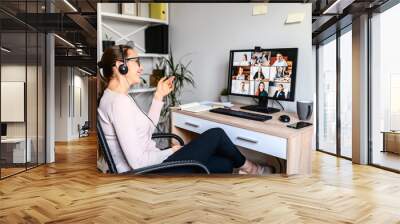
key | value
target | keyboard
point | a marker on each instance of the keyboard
(241, 114)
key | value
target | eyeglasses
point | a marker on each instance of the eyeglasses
(136, 59)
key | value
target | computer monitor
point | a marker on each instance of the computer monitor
(3, 129)
(264, 74)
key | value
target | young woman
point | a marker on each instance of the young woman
(259, 74)
(240, 75)
(128, 130)
(261, 90)
(280, 92)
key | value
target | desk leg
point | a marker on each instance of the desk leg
(299, 154)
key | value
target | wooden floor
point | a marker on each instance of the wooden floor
(73, 191)
(387, 159)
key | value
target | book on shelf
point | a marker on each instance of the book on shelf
(129, 9)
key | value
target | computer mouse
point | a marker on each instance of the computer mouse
(284, 118)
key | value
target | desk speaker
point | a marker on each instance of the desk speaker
(156, 39)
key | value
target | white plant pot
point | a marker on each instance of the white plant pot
(224, 98)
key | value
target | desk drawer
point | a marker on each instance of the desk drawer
(189, 123)
(260, 142)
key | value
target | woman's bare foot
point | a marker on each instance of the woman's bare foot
(251, 168)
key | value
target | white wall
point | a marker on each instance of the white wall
(209, 31)
(68, 82)
(61, 103)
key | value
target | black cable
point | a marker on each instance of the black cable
(256, 100)
(283, 109)
(158, 129)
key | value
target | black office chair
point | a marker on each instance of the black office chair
(167, 167)
(84, 129)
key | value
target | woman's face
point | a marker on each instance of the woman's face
(240, 70)
(134, 69)
(261, 87)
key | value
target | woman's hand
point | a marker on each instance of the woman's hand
(176, 148)
(164, 87)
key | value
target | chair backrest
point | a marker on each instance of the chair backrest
(105, 149)
(86, 125)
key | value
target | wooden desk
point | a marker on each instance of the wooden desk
(13, 150)
(271, 137)
(391, 141)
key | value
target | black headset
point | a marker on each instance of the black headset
(123, 68)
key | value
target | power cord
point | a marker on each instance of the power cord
(133, 99)
(279, 103)
(158, 129)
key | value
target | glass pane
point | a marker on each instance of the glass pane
(13, 85)
(327, 97)
(385, 86)
(31, 98)
(346, 94)
(41, 99)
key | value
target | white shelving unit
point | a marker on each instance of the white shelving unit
(144, 55)
(134, 19)
(123, 28)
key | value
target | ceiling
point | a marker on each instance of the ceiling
(78, 27)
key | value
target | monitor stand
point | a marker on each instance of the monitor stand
(261, 107)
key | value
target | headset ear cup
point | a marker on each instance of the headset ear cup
(123, 69)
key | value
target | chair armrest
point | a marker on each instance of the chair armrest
(168, 135)
(172, 164)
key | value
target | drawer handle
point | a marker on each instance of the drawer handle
(191, 124)
(247, 140)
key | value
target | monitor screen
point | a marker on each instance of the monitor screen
(3, 129)
(267, 72)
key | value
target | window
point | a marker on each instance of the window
(385, 89)
(22, 77)
(327, 97)
(346, 93)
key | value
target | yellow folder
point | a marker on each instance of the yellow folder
(158, 11)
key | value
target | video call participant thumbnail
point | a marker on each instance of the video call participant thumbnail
(243, 89)
(240, 75)
(240, 87)
(280, 92)
(280, 61)
(259, 75)
(241, 59)
(261, 90)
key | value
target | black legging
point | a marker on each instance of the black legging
(214, 149)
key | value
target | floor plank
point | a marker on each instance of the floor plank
(73, 191)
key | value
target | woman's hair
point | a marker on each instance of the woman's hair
(260, 70)
(110, 56)
(258, 88)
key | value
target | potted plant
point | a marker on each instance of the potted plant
(108, 42)
(224, 95)
(183, 76)
(157, 73)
